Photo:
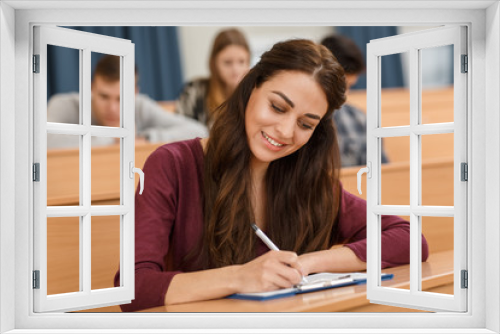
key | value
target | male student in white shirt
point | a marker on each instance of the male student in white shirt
(153, 124)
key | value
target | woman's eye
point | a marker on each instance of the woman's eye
(305, 125)
(276, 108)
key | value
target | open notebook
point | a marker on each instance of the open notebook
(315, 282)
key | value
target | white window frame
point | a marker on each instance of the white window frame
(85, 43)
(414, 43)
(483, 21)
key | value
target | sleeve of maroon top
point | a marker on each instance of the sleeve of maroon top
(155, 212)
(395, 233)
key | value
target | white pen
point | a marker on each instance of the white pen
(265, 239)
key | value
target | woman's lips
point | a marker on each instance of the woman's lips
(272, 143)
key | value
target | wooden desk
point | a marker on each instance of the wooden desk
(437, 277)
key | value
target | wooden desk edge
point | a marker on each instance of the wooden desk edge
(340, 304)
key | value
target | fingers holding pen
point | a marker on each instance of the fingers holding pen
(271, 271)
(287, 266)
(291, 259)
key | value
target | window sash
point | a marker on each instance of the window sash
(413, 43)
(86, 43)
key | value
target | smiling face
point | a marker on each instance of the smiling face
(281, 115)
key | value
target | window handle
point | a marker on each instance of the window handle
(141, 175)
(368, 171)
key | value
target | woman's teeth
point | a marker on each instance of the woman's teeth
(271, 141)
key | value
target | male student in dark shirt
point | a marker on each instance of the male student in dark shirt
(349, 120)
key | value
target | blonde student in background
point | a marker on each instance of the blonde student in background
(271, 159)
(229, 61)
(152, 123)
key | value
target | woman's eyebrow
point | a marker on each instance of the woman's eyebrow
(313, 116)
(287, 100)
(284, 97)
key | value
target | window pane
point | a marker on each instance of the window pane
(395, 177)
(402, 271)
(63, 255)
(437, 146)
(438, 232)
(105, 250)
(63, 85)
(106, 173)
(63, 171)
(437, 175)
(437, 84)
(397, 149)
(395, 100)
(106, 90)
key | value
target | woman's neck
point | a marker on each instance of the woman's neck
(258, 171)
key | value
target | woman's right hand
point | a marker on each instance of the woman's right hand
(271, 271)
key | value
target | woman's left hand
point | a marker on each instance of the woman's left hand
(306, 261)
(335, 259)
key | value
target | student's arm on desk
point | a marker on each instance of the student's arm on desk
(352, 229)
(271, 271)
(335, 259)
(153, 123)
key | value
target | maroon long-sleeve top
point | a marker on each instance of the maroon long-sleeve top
(169, 223)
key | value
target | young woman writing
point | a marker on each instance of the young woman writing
(271, 159)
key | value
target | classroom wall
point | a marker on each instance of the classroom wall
(196, 42)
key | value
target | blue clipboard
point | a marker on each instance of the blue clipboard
(318, 282)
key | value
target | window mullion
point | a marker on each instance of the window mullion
(80, 211)
(433, 129)
(80, 130)
(415, 171)
(85, 178)
(394, 131)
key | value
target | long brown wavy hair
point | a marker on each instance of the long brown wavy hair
(302, 188)
(216, 94)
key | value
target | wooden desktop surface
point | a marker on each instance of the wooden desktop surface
(437, 275)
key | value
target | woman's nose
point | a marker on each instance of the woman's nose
(286, 127)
